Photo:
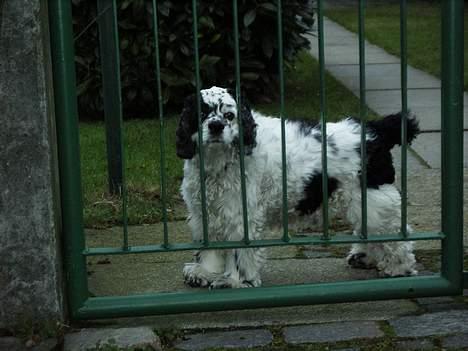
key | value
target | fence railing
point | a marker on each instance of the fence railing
(82, 306)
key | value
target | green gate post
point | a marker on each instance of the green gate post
(452, 141)
(66, 114)
(110, 63)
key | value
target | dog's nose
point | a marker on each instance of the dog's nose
(216, 127)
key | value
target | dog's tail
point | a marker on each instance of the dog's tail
(387, 131)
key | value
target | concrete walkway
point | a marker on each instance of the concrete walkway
(383, 93)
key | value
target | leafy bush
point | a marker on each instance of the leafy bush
(258, 49)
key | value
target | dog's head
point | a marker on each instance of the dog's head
(220, 125)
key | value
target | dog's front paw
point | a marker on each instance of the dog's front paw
(397, 271)
(360, 260)
(227, 282)
(193, 276)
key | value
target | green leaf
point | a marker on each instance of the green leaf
(207, 60)
(83, 86)
(250, 75)
(131, 94)
(249, 17)
(169, 56)
(215, 38)
(124, 44)
(268, 6)
(206, 22)
(164, 9)
(185, 50)
(124, 4)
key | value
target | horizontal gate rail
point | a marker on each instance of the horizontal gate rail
(219, 245)
(448, 282)
(289, 295)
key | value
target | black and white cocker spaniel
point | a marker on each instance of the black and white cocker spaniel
(262, 139)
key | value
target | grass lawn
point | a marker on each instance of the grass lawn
(383, 29)
(142, 151)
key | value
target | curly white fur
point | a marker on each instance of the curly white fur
(241, 267)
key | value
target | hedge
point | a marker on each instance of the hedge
(258, 50)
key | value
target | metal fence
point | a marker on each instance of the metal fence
(448, 282)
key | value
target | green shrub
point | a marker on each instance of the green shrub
(258, 49)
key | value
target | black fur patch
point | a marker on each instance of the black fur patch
(314, 194)
(188, 125)
(387, 132)
(307, 127)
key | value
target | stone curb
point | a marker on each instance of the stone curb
(138, 337)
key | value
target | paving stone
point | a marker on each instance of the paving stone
(434, 300)
(383, 86)
(11, 343)
(226, 339)
(439, 323)
(332, 332)
(446, 307)
(420, 344)
(455, 341)
(383, 76)
(428, 146)
(138, 337)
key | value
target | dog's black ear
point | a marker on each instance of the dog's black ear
(185, 146)
(249, 126)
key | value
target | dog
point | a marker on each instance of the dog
(239, 268)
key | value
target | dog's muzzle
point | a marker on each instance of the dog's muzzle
(216, 128)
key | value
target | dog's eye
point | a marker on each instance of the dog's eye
(229, 116)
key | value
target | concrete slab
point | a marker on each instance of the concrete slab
(238, 339)
(383, 77)
(138, 274)
(142, 338)
(440, 323)
(331, 332)
(414, 162)
(342, 47)
(297, 315)
(349, 54)
(428, 146)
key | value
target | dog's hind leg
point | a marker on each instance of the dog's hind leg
(207, 267)
(242, 269)
(383, 217)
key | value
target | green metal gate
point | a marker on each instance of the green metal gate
(448, 282)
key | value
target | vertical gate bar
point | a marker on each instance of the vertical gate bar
(162, 137)
(363, 116)
(404, 113)
(283, 129)
(110, 61)
(452, 141)
(111, 89)
(323, 119)
(66, 114)
(239, 118)
(200, 137)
